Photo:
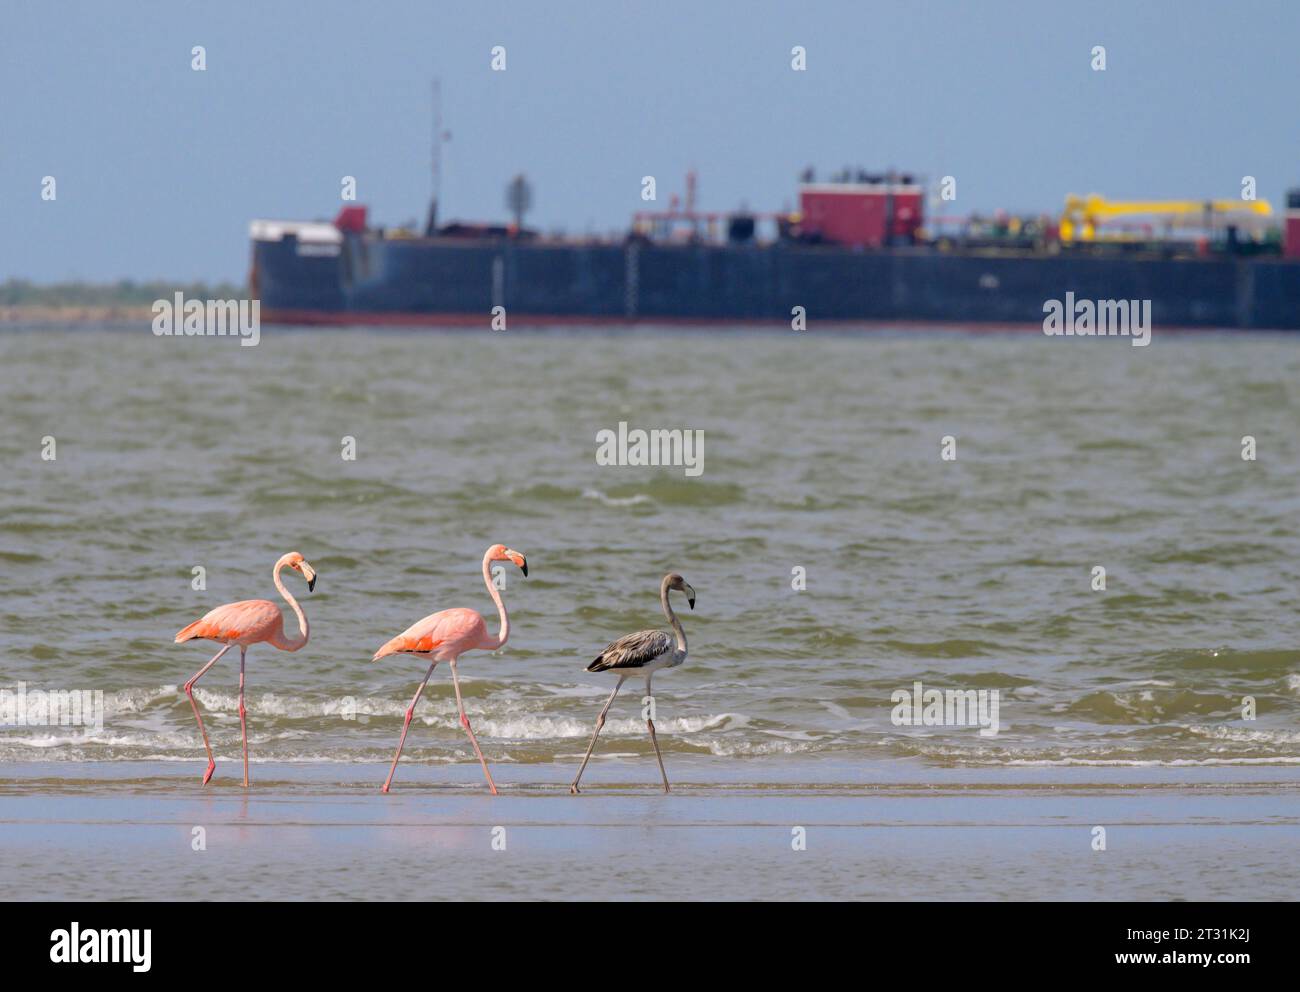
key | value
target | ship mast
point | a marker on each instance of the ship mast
(431, 226)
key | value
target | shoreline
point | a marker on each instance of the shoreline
(697, 772)
(100, 313)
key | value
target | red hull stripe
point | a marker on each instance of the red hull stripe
(344, 318)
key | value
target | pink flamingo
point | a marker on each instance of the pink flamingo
(445, 636)
(245, 623)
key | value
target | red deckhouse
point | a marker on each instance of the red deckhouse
(865, 214)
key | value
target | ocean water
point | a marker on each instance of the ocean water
(821, 453)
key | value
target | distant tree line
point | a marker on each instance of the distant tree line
(124, 292)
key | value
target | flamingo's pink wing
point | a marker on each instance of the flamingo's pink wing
(446, 629)
(257, 619)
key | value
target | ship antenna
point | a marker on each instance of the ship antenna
(431, 227)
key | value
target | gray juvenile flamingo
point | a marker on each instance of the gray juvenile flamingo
(645, 652)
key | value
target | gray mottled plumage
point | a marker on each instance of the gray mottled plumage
(633, 651)
(644, 653)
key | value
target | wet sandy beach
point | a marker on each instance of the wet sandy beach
(130, 831)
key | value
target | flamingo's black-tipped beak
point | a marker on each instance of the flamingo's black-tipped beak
(517, 557)
(311, 584)
(691, 601)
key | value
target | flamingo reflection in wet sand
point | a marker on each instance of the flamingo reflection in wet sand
(642, 653)
(245, 623)
(445, 636)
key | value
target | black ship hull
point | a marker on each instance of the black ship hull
(365, 278)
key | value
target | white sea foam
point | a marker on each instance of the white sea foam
(532, 726)
(743, 748)
(596, 494)
(138, 700)
(1244, 736)
(155, 723)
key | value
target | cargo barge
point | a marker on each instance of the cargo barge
(858, 249)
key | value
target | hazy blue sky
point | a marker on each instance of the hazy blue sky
(160, 168)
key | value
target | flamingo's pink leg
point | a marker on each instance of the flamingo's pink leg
(189, 691)
(600, 722)
(243, 727)
(464, 722)
(405, 726)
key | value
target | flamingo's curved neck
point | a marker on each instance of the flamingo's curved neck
(304, 630)
(672, 617)
(492, 643)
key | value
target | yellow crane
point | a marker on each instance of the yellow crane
(1084, 214)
